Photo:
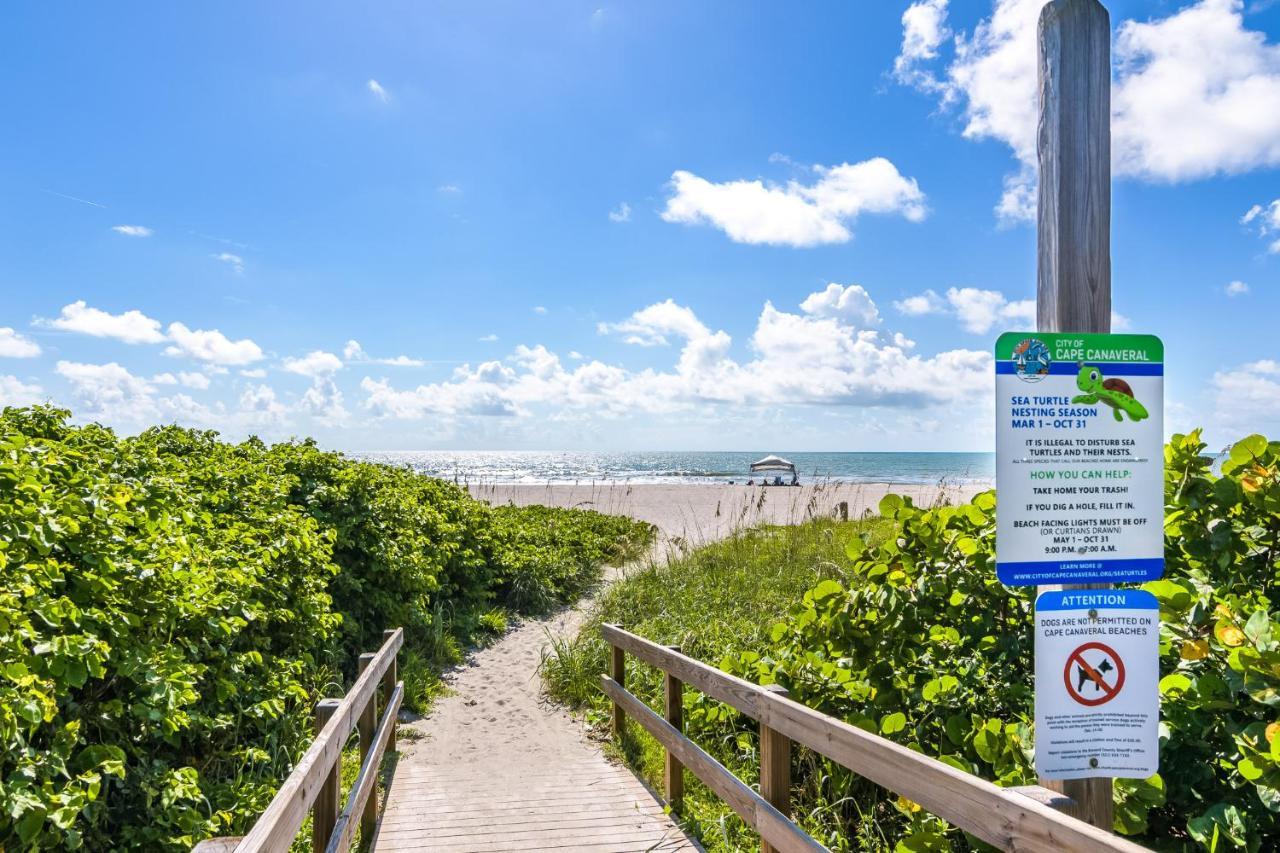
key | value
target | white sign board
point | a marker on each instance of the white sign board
(1079, 458)
(1097, 684)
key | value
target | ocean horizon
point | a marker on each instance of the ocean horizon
(672, 467)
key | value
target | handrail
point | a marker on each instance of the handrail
(315, 783)
(1012, 819)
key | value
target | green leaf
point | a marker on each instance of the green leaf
(892, 723)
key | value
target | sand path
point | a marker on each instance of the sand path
(495, 766)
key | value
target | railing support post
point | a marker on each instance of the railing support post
(324, 814)
(775, 768)
(618, 672)
(389, 679)
(367, 726)
(673, 773)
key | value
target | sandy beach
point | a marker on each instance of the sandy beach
(692, 514)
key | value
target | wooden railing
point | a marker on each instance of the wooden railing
(1013, 819)
(315, 783)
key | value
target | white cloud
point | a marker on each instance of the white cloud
(1236, 288)
(977, 310)
(928, 302)
(808, 357)
(354, 352)
(323, 400)
(259, 406)
(449, 189)
(851, 303)
(255, 373)
(211, 346)
(132, 230)
(16, 345)
(400, 361)
(795, 214)
(234, 261)
(1246, 399)
(924, 29)
(1119, 322)
(199, 381)
(1267, 219)
(108, 390)
(132, 327)
(378, 90)
(622, 213)
(15, 392)
(649, 327)
(539, 309)
(1194, 94)
(487, 339)
(317, 363)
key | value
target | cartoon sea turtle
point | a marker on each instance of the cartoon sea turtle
(1116, 393)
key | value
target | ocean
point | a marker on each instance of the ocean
(539, 467)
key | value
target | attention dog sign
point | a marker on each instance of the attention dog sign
(1097, 684)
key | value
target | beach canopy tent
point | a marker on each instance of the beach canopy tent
(771, 464)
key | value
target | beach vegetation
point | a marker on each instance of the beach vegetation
(900, 626)
(173, 605)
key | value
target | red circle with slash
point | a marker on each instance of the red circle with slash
(1079, 675)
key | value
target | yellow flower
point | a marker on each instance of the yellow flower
(907, 805)
(1272, 731)
(1195, 650)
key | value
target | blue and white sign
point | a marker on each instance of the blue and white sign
(1079, 458)
(1097, 684)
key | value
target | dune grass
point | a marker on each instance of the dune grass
(715, 600)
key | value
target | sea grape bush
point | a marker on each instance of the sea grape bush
(921, 644)
(171, 606)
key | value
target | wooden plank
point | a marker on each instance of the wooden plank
(999, 816)
(217, 845)
(673, 770)
(1073, 288)
(324, 812)
(750, 806)
(775, 768)
(363, 790)
(276, 828)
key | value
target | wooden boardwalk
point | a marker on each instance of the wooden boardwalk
(590, 806)
(496, 767)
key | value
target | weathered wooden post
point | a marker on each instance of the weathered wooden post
(618, 672)
(389, 679)
(775, 768)
(674, 707)
(1073, 280)
(324, 813)
(367, 726)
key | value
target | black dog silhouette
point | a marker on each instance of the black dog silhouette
(1102, 668)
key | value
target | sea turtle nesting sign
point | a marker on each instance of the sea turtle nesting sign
(1097, 689)
(1079, 458)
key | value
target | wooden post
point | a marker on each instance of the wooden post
(1073, 281)
(389, 681)
(673, 773)
(368, 726)
(324, 814)
(775, 768)
(618, 672)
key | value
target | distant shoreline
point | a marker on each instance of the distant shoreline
(695, 513)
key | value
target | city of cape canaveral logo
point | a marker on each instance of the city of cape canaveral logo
(1031, 360)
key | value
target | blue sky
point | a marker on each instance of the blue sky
(643, 225)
